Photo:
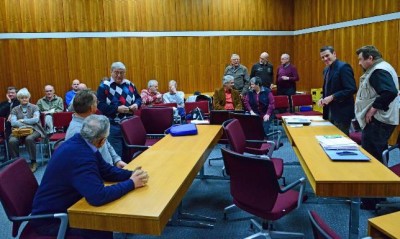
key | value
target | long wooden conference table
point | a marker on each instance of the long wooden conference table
(340, 179)
(172, 164)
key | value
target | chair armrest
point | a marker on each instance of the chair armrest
(278, 141)
(272, 143)
(385, 154)
(155, 135)
(140, 147)
(302, 183)
(62, 216)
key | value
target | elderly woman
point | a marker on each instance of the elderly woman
(25, 115)
(151, 95)
(260, 102)
(227, 98)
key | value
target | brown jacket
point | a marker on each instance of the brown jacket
(219, 99)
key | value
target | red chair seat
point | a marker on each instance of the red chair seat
(57, 136)
(356, 137)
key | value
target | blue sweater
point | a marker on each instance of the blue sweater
(75, 171)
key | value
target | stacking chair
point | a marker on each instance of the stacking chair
(135, 137)
(61, 121)
(157, 119)
(3, 137)
(281, 104)
(255, 189)
(320, 229)
(303, 100)
(18, 186)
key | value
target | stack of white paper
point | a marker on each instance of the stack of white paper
(336, 142)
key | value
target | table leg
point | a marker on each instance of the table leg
(354, 220)
(202, 175)
(193, 220)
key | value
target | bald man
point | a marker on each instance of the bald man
(70, 94)
(81, 87)
(286, 77)
(263, 69)
(50, 104)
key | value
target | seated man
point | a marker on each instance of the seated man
(81, 86)
(49, 105)
(227, 98)
(6, 107)
(85, 103)
(70, 94)
(174, 96)
(151, 95)
(78, 170)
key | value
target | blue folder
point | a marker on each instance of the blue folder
(346, 155)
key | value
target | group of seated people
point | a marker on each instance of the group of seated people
(94, 142)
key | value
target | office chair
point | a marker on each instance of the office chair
(303, 100)
(253, 129)
(3, 137)
(320, 229)
(237, 142)
(156, 120)
(61, 121)
(356, 132)
(255, 189)
(18, 186)
(395, 169)
(135, 137)
(282, 104)
(203, 106)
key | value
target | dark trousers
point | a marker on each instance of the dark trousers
(30, 143)
(375, 136)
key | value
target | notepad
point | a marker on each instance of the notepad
(336, 142)
(346, 155)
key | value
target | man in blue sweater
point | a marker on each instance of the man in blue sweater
(78, 170)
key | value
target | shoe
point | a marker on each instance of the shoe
(33, 167)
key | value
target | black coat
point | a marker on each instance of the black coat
(342, 86)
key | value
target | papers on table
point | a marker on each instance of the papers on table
(299, 120)
(336, 142)
(340, 148)
(200, 122)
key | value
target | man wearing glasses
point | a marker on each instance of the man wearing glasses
(118, 99)
(239, 73)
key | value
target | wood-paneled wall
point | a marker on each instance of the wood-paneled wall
(197, 63)
(384, 35)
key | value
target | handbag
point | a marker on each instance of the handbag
(21, 132)
(182, 130)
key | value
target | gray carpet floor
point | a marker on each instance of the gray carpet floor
(209, 197)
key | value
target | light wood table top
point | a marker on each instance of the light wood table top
(386, 226)
(172, 164)
(339, 179)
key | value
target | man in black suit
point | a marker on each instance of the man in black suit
(6, 106)
(338, 90)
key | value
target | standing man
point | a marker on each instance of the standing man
(377, 105)
(70, 94)
(6, 106)
(118, 99)
(263, 69)
(49, 105)
(78, 170)
(338, 90)
(239, 73)
(286, 78)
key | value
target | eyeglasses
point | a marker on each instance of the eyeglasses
(119, 73)
(49, 91)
